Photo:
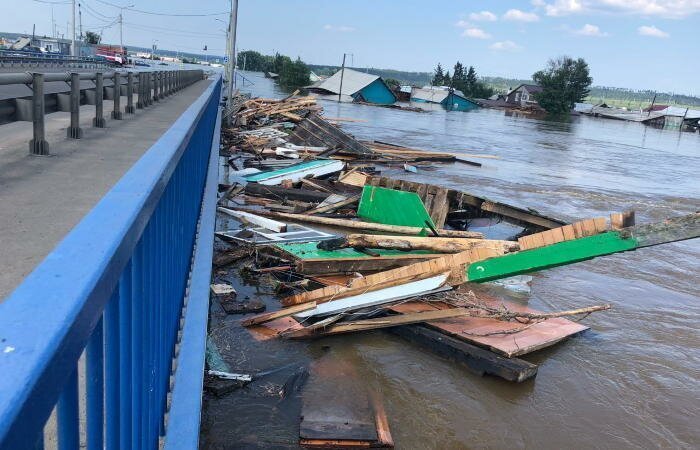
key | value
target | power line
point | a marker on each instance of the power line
(53, 3)
(171, 31)
(161, 14)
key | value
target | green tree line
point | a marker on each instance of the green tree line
(292, 73)
(462, 79)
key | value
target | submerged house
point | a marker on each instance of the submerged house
(524, 95)
(356, 86)
(450, 99)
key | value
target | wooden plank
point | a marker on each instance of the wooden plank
(433, 244)
(284, 312)
(381, 322)
(362, 265)
(440, 207)
(476, 330)
(382, 280)
(519, 214)
(621, 220)
(277, 192)
(264, 222)
(334, 206)
(359, 225)
(476, 359)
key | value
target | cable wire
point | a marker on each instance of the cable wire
(162, 14)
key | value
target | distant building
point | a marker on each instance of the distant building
(357, 86)
(523, 95)
(450, 99)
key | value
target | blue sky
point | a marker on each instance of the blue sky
(627, 43)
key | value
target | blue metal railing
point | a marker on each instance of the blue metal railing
(117, 287)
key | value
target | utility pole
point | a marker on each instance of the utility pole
(80, 21)
(232, 55)
(73, 34)
(342, 72)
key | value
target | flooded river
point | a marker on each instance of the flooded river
(631, 381)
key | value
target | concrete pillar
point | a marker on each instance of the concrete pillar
(117, 112)
(74, 130)
(156, 86)
(38, 145)
(139, 101)
(161, 83)
(149, 96)
(130, 93)
(99, 120)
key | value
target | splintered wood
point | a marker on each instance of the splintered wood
(576, 230)
(425, 269)
(260, 107)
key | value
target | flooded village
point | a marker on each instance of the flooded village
(238, 249)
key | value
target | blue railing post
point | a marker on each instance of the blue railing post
(67, 414)
(94, 369)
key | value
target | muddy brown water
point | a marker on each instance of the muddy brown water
(631, 381)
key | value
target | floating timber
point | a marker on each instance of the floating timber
(439, 201)
(316, 131)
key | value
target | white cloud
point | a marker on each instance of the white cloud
(652, 31)
(563, 7)
(504, 46)
(340, 28)
(663, 8)
(484, 16)
(590, 30)
(520, 16)
(463, 24)
(476, 33)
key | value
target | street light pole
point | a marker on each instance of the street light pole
(342, 72)
(72, 47)
(232, 54)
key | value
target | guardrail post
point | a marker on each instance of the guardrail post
(99, 120)
(161, 90)
(156, 85)
(38, 145)
(139, 101)
(130, 93)
(117, 113)
(74, 130)
(148, 99)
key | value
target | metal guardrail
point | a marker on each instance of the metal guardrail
(117, 288)
(151, 86)
(11, 58)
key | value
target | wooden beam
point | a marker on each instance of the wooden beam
(280, 193)
(476, 359)
(334, 206)
(264, 222)
(284, 312)
(435, 244)
(363, 265)
(366, 226)
(381, 322)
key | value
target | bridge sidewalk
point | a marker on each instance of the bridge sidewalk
(43, 198)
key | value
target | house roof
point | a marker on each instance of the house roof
(353, 81)
(533, 88)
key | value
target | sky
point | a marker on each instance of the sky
(636, 44)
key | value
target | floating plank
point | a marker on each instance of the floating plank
(392, 207)
(270, 316)
(478, 206)
(376, 297)
(365, 226)
(433, 244)
(296, 172)
(476, 359)
(264, 222)
(575, 230)
(475, 329)
(277, 192)
(386, 279)
(339, 410)
(381, 322)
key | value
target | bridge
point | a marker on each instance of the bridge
(107, 246)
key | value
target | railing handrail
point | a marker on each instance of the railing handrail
(61, 301)
(26, 77)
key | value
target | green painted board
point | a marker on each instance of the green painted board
(308, 250)
(559, 254)
(392, 207)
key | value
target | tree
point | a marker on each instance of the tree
(92, 38)
(393, 83)
(293, 74)
(564, 82)
(439, 77)
(447, 79)
(471, 80)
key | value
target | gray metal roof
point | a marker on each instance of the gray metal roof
(353, 81)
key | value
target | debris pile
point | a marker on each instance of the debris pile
(351, 250)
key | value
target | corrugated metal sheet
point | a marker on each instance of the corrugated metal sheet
(353, 81)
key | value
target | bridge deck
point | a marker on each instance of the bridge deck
(42, 198)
